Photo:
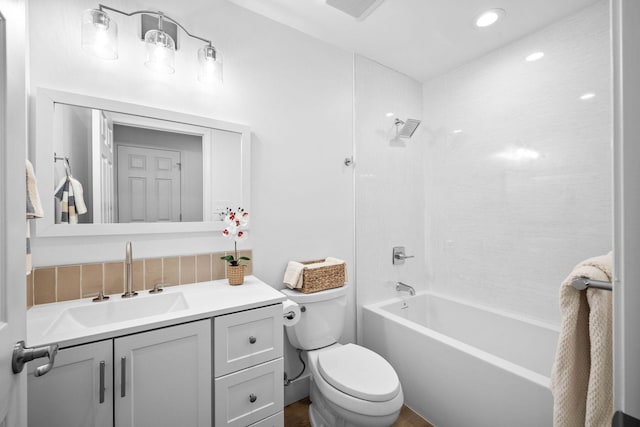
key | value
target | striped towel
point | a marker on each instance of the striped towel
(69, 193)
(34, 207)
(68, 202)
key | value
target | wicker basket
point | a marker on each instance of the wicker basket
(235, 274)
(321, 278)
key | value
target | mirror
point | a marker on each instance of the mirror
(134, 169)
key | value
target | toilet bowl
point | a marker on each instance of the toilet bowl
(351, 386)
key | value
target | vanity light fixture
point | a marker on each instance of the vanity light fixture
(100, 38)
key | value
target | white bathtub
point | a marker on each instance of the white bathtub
(462, 365)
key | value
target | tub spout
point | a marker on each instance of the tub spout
(404, 287)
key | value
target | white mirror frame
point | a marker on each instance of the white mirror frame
(44, 165)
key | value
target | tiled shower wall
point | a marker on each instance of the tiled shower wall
(518, 167)
(69, 282)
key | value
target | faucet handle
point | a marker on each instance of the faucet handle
(157, 288)
(101, 297)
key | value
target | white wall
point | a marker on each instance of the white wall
(389, 181)
(504, 231)
(294, 91)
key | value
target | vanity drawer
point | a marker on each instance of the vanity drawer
(249, 395)
(247, 338)
(276, 420)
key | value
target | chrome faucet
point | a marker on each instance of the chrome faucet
(404, 287)
(129, 278)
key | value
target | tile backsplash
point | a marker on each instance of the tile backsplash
(68, 282)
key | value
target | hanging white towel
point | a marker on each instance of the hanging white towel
(582, 375)
(34, 208)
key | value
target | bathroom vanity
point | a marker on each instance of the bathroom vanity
(194, 355)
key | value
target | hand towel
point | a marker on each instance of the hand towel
(78, 195)
(68, 204)
(34, 209)
(34, 206)
(582, 374)
(293, 275)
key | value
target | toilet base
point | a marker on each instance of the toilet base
(324, 413)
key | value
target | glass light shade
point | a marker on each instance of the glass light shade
(209, 65)
(99, 34)
(160, 51)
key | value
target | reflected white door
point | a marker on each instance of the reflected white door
(148, 185)
(102, 168)
(13, 136)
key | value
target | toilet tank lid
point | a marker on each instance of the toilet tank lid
(359, 372)
(301, 298)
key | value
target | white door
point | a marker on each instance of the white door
(13, 136)
(626, 287)
(102, 168)
(164, 377)
(148, 184)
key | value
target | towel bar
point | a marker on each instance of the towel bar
(582, 283)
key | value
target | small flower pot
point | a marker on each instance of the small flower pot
(235, 274)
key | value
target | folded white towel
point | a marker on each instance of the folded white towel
(582, 375)
(293, 275)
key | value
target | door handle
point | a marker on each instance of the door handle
(22, 355)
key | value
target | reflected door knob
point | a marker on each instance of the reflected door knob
(252, 398)
(252, 340)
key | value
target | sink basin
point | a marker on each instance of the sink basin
(119, 310)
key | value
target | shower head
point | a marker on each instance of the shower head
(407, 129)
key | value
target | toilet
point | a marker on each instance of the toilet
(351, 386)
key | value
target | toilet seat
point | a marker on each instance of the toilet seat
(359, 372)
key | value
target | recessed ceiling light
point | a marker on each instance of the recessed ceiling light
(489, 17)
(534, 56)
(457, 131)
(389, 114)
(588, 95)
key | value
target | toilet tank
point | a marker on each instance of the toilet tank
(321, 320)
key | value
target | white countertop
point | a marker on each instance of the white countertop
(203, 300)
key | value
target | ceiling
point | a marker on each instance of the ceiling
(421, 38)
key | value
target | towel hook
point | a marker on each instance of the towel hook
(66, 164)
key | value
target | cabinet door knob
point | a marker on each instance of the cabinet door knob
(252, 340)
(252, 398)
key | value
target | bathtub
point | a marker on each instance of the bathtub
(462, 365)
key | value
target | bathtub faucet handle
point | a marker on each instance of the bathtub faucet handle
(399, 255)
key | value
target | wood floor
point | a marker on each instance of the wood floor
(296, 415)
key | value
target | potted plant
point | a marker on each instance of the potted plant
(237, 222)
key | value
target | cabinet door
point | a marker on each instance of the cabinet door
(77, 392)
(163, 377)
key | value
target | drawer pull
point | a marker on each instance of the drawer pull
(252, 340)
(123, 376)
(252, 398)
(101, 383)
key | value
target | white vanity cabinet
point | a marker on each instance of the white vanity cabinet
(156, 378)
(163, 377)
(77, 392)
(248, 385)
